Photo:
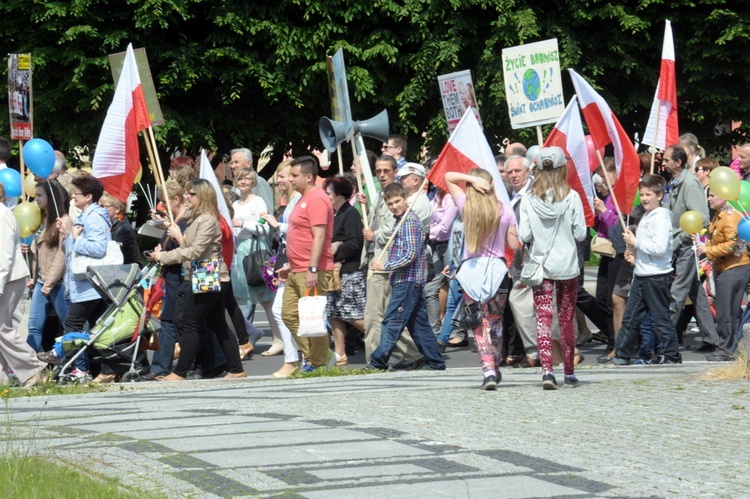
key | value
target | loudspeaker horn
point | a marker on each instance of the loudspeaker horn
(332, 133)
(375, 127)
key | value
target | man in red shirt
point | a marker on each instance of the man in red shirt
(309, 252)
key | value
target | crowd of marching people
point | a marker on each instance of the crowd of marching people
(410, 268)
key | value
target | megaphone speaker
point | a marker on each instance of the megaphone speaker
(376, 127)
(332, 133)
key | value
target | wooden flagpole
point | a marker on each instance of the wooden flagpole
(611, 191)
(159, 173)
(656, 139)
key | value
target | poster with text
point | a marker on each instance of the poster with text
(457, 92)
(19, 97)
(342, 93)
(533, 85)
(116, 62)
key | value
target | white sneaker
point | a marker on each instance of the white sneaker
(81, 376)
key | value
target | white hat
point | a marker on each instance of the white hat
(411, 169)
(553, 154)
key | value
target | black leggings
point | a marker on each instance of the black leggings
(190, 313)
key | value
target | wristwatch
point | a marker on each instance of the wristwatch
(314, 270)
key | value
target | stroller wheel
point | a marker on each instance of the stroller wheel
(131, 377)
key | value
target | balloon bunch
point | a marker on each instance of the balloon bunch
(726, 184)
(40, 158)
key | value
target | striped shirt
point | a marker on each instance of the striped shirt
(407, 261)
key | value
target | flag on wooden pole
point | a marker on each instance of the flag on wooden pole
(662, 129)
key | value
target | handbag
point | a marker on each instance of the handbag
(254, 263)
(281, 258)
(335, 282)
(603, 247)
(312, 315)
(532, 273)
(79, 263)
(205, 275)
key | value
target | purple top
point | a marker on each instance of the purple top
(443, 215)
(606, 220)
(494, 247)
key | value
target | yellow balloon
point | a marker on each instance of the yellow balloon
(725, 183)
(29, 185)
(692, 221)
(138, 175)
(29, 217)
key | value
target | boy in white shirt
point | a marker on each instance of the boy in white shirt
(652, 278)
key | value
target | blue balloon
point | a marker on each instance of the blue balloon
(39, 156)
(743, 230)
(11, 180)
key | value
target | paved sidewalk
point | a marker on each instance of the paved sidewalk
(638, 431)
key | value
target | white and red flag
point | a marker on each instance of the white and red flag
(207, 173)
(116, 158)
(605, 129)
(662, 129)
(568, 135)
(467, 148)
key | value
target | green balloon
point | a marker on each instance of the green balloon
(743, 203)
(637, 199)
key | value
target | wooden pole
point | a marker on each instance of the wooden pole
(23, 170)
(358, 166)
(341, 160)
(611, 191)
(539, 136)
(159, 173)
(398, 226)
(656, 138)
(151, 160)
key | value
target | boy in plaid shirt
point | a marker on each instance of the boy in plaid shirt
(408, 267)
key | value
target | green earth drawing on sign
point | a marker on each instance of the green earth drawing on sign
(532, 86)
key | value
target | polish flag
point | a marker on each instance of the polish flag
(225, 221)
(467, 148)
(568, 135)
(662, 129)
(605, 129)
(116, 158)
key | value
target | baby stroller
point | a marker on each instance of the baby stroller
(115, 339)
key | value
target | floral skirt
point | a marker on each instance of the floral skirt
(348, 303)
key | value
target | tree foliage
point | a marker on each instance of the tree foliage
(240, 73)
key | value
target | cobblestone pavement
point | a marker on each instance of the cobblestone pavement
(638, 431)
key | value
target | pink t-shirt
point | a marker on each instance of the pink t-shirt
(494, 247)
(313, 208)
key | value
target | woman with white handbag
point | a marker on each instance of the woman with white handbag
(551, 222)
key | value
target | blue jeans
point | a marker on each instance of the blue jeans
(161, 364)
(407, 309)
(450, 308)
(650, 342)
(648, 294)
(40, 308)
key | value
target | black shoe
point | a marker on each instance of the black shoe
(663, 360)
(718, 357)
(370, 367)
(571, 382)
(617, 361)
(402, 365)
(489, 384)
(703, 347)
(50, 357)
(600, 337)
(604, 359)
(549, 382)
(151, 376)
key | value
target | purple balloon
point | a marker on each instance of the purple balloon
(11, 180)
(39, 157)
(743, 230)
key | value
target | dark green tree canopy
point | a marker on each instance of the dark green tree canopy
(241, 73)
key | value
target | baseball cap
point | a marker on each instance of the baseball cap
(411, 169)
(553, 154)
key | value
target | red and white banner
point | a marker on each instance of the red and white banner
(117, 158)
(568, 135)
(467, 148)
(662, 129)
(605, 129)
